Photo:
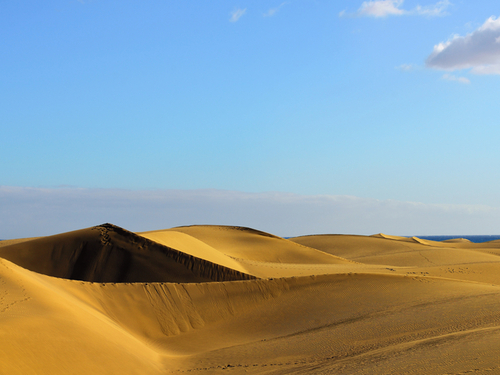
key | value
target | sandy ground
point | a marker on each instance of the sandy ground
(210, 299)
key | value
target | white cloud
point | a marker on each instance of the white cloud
(478, 51)
(236, 14)
(384, 8)
(271, 12)
(27, 212)
(451, 77)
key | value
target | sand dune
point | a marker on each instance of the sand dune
(248, 251)
(210, 299)
(108, 253)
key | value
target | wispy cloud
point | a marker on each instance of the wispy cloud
(236, 14)
(478, 51)
(271, 12)
(381, 8)
(385, 8)
(407, 67)
(451, 77)
(27, 212)
(435, 10)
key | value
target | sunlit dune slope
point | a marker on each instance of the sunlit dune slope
(376, 305)
(250, 244)
(357, 324)
(46, 330)
(249, 251)
(108, 253)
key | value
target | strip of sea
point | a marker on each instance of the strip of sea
(476, 239)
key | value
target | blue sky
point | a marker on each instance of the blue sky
(380, 100)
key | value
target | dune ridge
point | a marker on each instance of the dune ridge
(243, 243)
(210, 299)
(108, 253)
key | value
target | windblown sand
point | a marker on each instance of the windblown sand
(210, 299)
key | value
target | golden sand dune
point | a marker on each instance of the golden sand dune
(200, 300)
(249, 244)
(248, 251)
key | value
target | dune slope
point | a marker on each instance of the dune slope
(249, 244)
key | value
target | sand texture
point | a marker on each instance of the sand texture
(219, 299)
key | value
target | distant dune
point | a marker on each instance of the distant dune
(210, 299)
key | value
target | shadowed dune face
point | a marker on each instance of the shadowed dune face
(210, 299)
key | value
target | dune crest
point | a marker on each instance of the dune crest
(389, 237)
(459, 240)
